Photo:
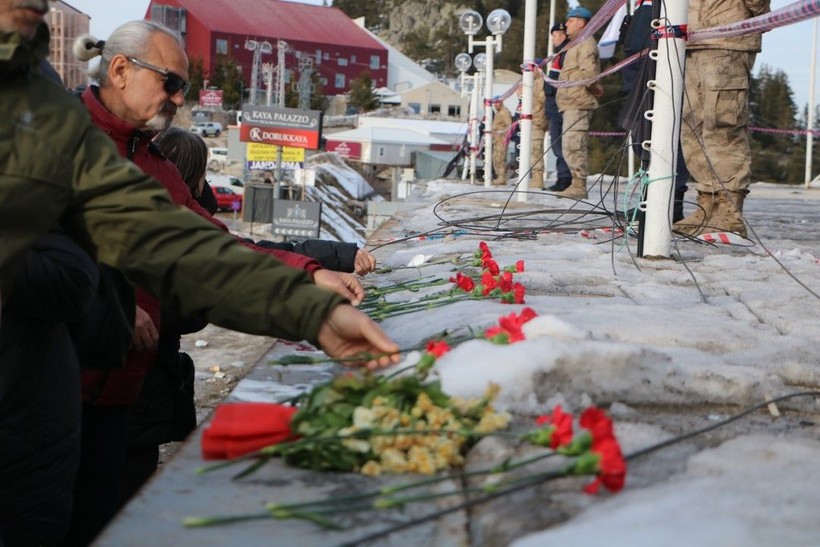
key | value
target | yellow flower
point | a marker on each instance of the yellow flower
(371, 468)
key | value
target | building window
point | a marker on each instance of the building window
(323, 81)
(352, 58)
(342, 61)
(434, 109)
(221, 46)
(326, 55)
(381, 151)
(171, 17)
(454, 110)
(374, 62)
(416, 107)
(340, 81)
(318, 56)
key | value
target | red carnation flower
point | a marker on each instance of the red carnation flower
(505, 282)
(491, 266)
(437, 348)
(560, 427)
(519, 266)
(611, 466)
(464, 282)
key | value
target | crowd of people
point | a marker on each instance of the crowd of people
(112, 251)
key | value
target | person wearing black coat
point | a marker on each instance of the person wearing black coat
(40, 391)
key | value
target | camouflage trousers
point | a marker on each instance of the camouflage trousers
(714, 134)
(537, 158)
(499, 159)
(574, 142)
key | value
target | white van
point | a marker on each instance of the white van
(217, 158)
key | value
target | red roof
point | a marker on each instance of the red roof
(279, 19)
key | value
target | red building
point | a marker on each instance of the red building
(339, 48)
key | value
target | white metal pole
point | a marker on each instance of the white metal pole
(474, 136)
(630, 155)
(488, 113)
(525, 159)
(666, 119)
(550, 45)
(810, 120)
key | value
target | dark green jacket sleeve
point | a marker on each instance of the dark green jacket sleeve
(56, 166)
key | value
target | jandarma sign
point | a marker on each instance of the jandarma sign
(281, 126)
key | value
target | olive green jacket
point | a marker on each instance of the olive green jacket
(57, 167)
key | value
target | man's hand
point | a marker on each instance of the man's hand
(145, 332)
(343, 283)
(346, 332)
(364, 263)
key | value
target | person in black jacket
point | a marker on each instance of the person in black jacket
(39, 391)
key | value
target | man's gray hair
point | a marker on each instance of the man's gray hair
(130, 39)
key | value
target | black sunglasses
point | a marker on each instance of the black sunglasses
(173, 82)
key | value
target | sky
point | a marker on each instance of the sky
(787, 48)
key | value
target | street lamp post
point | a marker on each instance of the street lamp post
(497, 23)
(463, 63)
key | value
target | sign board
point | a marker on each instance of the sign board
(347, 150)
(210, 98)
(271, 165)
(281, 126)
(304, 177)
(267, 152)
(300, 219)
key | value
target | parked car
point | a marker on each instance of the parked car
(235, 184)
(227, 199)
(207, 129)
(217, 158)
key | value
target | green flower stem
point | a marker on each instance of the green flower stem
(199, 522)
(347, 504)
(382, 305)
(394, 489)
(412, 286)
(423, 306)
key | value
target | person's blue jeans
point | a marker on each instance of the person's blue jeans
(556, 129)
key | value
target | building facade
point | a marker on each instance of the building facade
(339, 50)
(66, 23)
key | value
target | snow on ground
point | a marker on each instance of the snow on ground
(716, 325)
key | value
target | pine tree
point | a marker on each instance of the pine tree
(196, 75)
(361, 95)
(775, 157)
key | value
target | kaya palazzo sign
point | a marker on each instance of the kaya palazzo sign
(281, 126)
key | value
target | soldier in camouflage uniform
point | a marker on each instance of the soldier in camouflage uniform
(577, 103)
(539, 127)
(714, 135)
(502, 120)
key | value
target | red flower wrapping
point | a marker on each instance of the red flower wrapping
(241, 428)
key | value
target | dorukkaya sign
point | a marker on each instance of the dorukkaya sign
(281, 126)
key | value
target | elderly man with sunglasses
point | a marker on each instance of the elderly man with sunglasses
(141, 81)
(56, 168)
